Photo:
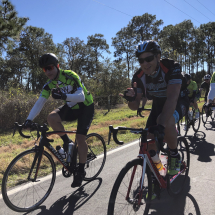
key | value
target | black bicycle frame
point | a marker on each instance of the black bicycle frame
(39, 153)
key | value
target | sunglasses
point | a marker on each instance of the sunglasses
(147, 59)
(48, 68)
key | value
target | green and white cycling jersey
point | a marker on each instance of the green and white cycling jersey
(70, 83)
(211, 93)
(192, 87)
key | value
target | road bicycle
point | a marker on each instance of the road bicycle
(210, 113)
(190, 121)
(30, 177)
(132, 190)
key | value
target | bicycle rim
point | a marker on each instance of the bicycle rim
(21, 194)
(124, 200)
(196, 122)
(96, 156)
(176, 183)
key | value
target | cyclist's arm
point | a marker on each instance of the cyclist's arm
(77, 96)
(36, 108)
(211, 93)
(173, 91)
(136, 103)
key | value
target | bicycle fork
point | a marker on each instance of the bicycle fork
(37, 159)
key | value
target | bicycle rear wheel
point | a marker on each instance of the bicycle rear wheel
(96, 156)
(196, 122)
(126, 192)
(176, 183)
(19, 192)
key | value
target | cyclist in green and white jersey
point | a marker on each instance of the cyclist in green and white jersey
(211, 94)
(67, 86)
(194, 94)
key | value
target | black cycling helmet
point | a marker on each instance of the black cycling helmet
(207, 77)
(148, 46)
(187, 76)
(47, 59)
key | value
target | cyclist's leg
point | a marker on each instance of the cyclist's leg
(171, 136)
(55, 118)
(151, 122)
(85, 118)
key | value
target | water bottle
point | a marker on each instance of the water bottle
(155, 158)
(71, 147)
(190, 114)
(61, 152)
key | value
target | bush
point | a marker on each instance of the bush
(16, 105)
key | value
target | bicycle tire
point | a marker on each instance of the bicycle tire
(96, 156)
(18, 169)
(117, 202)
(173, 185)
(196, 128)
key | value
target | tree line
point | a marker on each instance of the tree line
(21, 47)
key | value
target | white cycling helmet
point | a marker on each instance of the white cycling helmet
(207, 77)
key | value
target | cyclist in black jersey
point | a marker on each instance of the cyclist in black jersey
(205, 85)
(67, 86)
(160, 80)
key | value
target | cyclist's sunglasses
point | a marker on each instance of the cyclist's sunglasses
(147, 59)
(48, 68)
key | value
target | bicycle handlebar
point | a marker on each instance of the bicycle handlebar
(158, 137)
(139, 110)
(35, 127)
(115, 131)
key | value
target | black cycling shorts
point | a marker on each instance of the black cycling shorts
(84, 116)
(180, 111)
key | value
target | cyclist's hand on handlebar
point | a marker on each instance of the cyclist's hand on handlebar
(130, 94)
(58, 94)
(27, 124)
(159, 129)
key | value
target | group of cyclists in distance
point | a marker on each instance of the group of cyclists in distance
(159, 80)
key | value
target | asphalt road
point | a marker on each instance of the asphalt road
(92, 198)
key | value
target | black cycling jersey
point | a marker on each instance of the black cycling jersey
(205, 86)
(155, 87)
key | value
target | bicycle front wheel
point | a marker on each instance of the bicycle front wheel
(96, 156)
(176, 183)
(20, 192)
(126, 196)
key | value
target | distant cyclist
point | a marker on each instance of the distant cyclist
(67, 86)
(211, 93)
(205, 86)
(160, 80)
(194, 94)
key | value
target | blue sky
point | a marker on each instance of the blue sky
(81, 18)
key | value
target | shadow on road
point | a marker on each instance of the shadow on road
(199, 146)
(71, 202)
(182, 204)
(210, 125)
